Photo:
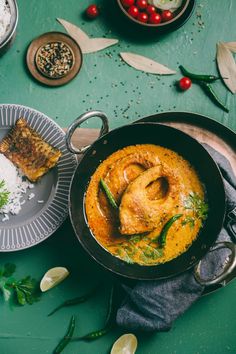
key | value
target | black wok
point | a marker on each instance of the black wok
(147, 133)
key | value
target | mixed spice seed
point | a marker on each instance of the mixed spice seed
(54, 59)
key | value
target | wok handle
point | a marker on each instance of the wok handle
(228, 268)
(77, 122)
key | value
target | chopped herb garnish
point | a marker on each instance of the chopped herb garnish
(4, 194)
(189, 220)
(197, 205)
(152, 253)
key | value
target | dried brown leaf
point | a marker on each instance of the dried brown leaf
(87, 45)
(145, 64)
(227, 66)
(231, 46)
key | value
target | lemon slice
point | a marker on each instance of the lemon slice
(53, 277)
(126, 344)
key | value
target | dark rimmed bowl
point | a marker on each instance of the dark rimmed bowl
(182, 16)
(10, 34)
(145, 133)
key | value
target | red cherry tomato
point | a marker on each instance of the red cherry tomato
(142, 4)
(151, 9)
(167, 15)
(185, 83)
(155, 18)
(133, 11)
(127, 3)
(92, 11)
(142, 17)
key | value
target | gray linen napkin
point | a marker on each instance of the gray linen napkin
(154, 305)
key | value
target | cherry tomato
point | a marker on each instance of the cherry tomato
(133, 11)
(142, 17)
(151, 9)
(127, 3)
(142, 4)
(167, 15)
(92, 11)
(155, 18)
(185, 83)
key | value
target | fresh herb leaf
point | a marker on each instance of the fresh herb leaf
(189, 220)
(152, 253)
(6, 291)
(27, 290)
(199, 207)
(4, 194)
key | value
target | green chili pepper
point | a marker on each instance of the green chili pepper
(211, 93)
(199, 77)
(108, 194)
(96, 334)
(67, 338)
(75, 301)
(110, 319)
(162, 237)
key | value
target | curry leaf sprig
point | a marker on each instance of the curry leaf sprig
(4, 194)
(24, 291)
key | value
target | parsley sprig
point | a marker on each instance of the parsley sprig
(24, 291)
(4, 194)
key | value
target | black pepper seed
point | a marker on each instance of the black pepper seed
(54, 59)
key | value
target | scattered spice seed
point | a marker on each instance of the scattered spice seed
(67, 338)
(54, 59)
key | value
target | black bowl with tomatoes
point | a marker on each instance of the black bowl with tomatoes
(166, 17)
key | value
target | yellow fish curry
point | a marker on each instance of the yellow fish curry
(145, 204)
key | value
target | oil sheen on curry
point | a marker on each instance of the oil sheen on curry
(145, 204)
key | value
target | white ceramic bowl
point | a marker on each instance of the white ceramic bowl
(9, 36)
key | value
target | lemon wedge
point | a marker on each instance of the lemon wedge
(126, 344)
(53, 277)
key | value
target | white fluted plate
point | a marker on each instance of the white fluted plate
(40, 216)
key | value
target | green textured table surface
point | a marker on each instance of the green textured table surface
(107, 84)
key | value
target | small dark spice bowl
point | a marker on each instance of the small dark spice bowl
(155, 19)
(8, 37)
